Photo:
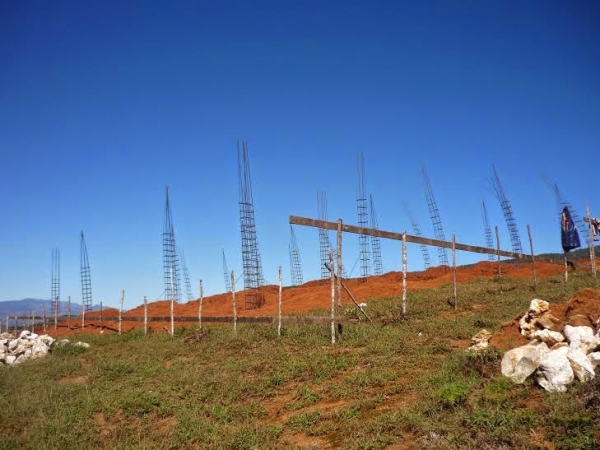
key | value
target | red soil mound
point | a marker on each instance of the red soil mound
(317, 294)
(581, 309)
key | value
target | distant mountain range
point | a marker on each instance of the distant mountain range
(581, 253)
(25, 306)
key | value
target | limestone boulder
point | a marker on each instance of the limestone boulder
(554, 373)
(548, 336)
(538, 307)
(518, 363)
(582, 338)
(48, 340)
(581, 365)
(39, 350)
(594, 358)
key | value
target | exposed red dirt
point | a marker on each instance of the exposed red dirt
(309, 296)
(581, 309)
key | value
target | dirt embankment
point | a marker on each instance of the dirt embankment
(309, 296)
(581, 309)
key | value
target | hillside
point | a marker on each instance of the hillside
(399, 383)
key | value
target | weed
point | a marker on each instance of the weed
(452, 395)
(305, 422)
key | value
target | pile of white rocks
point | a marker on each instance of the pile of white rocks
(27, 346)
(555, 359)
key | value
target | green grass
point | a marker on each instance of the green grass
(380, 385)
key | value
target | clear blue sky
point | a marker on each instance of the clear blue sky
(104, 103)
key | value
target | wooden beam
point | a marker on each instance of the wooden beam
(296, 220)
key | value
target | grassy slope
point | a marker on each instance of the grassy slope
(380, 386)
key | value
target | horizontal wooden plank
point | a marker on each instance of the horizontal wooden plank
(296, 220)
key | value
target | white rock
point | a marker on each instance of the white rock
(13, 344)
(6, 335)
(594, 358)
(24, 334)
(518, 363)
(19, 349)
(582, 338)
(581, 365)
(62, 342)
(554, 373)
(537, 307)
(48, 340)
(82, 344)
(480, 341)
(548, 336)
(39, 350)
(10, 359)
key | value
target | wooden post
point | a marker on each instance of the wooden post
(121, 312)
(172, 305)
(32, 314)
(332, 296)
(7, 329)
(566, 269)
(279, 303)
(454, 270)
(200, 305)
(234, 304)
(82, 315)
(69, 313)
(101, 317)
(145, 315)
(404, 274)
(591, 241)
(43, 318)
(532, 258)
(498, 250)
(339, 261)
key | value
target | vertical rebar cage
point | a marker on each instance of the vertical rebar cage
(55, 286)
(363, 219)
(417, 229)
(86, 277)
(170, 257)
(375, 241)
(489, 239)
(324, 244)
(295, 263)
(436, 219)
(251, 261)
(511, 223)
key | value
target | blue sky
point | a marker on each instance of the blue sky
(103, 104)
